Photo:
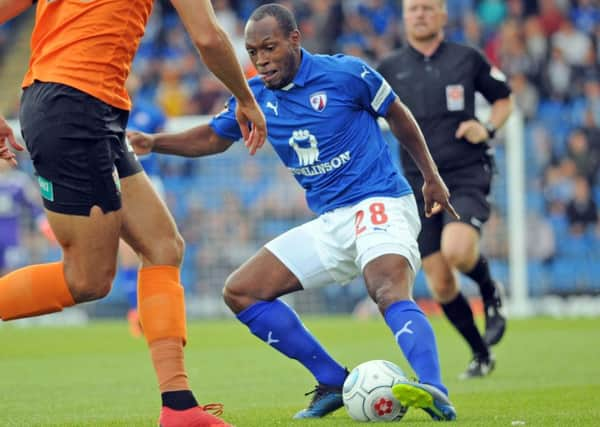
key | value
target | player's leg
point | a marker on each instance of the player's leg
(287, 264)
(74, 163)
(151, 231)
(85, 273)
(442, 281)
(460, 243)
(492, 293)
(388, 255)
(444, 286)
(129, 263)
(460, 247)
(389, 282)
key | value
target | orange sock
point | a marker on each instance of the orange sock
(167, 358)
(34, 290)
(161, 307)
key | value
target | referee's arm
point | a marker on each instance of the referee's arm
(500, 112)
(11, 8)
(476, 132)
(491, 83)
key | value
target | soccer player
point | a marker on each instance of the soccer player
(322, 121)
(437, 80)
(74, 109)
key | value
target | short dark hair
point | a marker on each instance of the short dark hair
(284, 17)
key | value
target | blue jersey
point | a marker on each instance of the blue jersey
(324, 128)
(147, 117)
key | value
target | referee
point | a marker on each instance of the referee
(437, 80)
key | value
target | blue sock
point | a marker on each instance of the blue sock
(279, 326)
(129, 275)
(415, 337)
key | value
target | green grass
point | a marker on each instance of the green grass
(548, 374)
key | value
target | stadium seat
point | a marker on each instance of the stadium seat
(563, 275)
(537, 278)
(572, 246)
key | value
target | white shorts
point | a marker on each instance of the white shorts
(336, 246)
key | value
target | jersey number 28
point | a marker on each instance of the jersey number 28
(377, 217)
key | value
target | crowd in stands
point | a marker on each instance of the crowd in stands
(227, 206)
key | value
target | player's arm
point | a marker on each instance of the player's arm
(218, 54)
(195, 142)
(11, 8)
(407, 131)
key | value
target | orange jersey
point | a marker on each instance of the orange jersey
(88, 45)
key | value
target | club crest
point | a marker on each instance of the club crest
(318, 101)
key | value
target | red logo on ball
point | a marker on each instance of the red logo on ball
(383, 406)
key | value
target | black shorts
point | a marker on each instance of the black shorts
(77, 144)
(469, 192)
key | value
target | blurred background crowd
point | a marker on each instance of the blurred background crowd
(229, 205)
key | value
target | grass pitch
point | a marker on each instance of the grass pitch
(548, 374)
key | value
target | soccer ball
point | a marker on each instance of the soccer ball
(368, 394)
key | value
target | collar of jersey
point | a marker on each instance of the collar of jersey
(419, 55)
(302, 74)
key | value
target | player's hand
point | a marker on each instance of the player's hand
(437, 197)
(142, 143)
(473, 131)
(246, 115)
(6, 134)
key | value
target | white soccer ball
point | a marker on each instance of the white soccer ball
(368, 392)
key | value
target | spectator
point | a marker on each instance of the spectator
(171, 95)
(19, 202)
(541, 241)
(514, 58)
(491, 14)
(551, 16)
(525, 95)
(586, 160)
(209, 97)
(573, 43)
(557, 76)
(588, 104)
(582, 211)
(585, 15)
(559, 182)
(380, 14)
(472, 31)
(536, 41)
(458, 10)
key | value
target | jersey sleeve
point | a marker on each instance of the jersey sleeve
(370, 90)
(224, 124)
(489, 80)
